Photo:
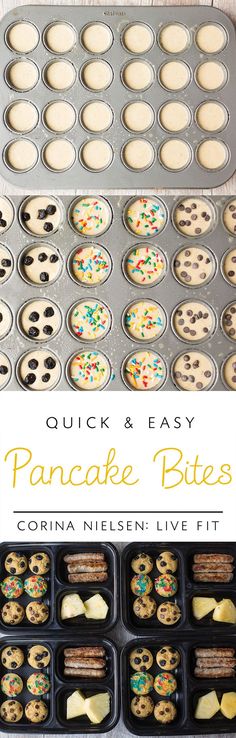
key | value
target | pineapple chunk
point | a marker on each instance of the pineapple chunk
(207, 706)
(71, 606)
(75, 705)
(225, 612)
(98, 707)
(96, 608)
(228, 705)
(202, 606)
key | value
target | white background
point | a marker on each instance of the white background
(161, 512)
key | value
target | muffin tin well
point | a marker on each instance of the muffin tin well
(121, 66)
(189, 688)
(62, 687)
(58, 587)
(95, 281)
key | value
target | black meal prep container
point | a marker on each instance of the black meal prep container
(59, 635)
(58, 587)
(189, 688)
(185, 636)
(187, 589)
(62, 687)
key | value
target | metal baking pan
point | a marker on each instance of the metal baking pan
(117, 95)
(117, 292)
(189, 688)
(62, 687)
(187, 589)
(58, 586)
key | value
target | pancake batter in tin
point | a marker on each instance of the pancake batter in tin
(144, 370)
(229, 266)
(138, 116)
(6, 319)
(60, 37)
(90, 215)
(229, 216)
(193, 371)
(40, 319)
(6, 214)
(144, 320)
(194, 216)
(145, 216)
(91, 265)
(89, 320)
(194, 265)
(229, 372)
(97, 38)
(89, 370)
(22, 117)
(138, 75)
(174, 75)
(23, 75)
(193, 321)
(211, 38)
(174, 38)
(5, 370)
(6, 263)
(22, 37)
(59, 116)
(174, 116)
(39, 370)
(137, 38)
(41, 264)
(229, 321)
(97, 116)
(40, 215)
(97, 75)
(145, 265)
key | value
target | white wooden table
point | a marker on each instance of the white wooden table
(228, 6)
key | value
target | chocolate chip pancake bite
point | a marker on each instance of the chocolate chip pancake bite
(141, 659)
(167, 562)
(12, 657)
(15, 563)
(142, 564)
(39, 563)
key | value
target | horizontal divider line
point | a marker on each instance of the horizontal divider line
(118, 512)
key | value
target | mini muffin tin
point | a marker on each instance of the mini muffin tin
(117, 96)
(117, 292)
(62, 687)
(189, 687)
(58, 587)
(187, 589)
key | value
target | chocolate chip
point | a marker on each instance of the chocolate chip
(50, 363)
(25, 216)
(42, 256)
(33, 364)
(34, 316)
(30, 378)
(48, 227)
(48, 312)
(44, 277)
(33, 332)
(28, 260)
